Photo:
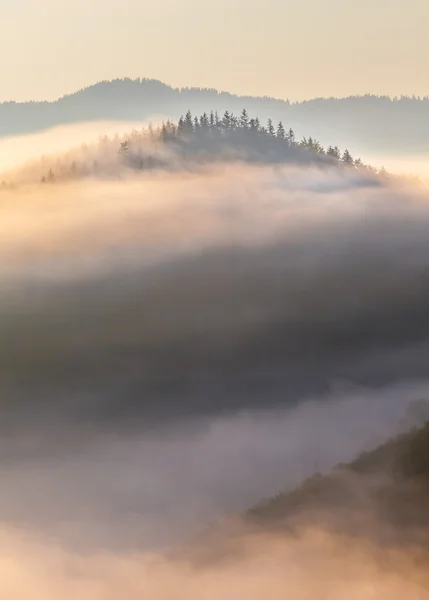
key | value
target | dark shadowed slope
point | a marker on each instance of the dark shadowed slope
(384, 492)
(376, 124)
(380, 500)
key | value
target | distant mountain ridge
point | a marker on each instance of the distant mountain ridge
(369, 123)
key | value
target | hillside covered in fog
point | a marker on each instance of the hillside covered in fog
(376, 502)
(375, 124)
(392, 480)
(192, 142)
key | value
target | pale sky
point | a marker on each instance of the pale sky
(285, 48)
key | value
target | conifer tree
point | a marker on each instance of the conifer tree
(204, 122)
(164, 132)
(151, 132)
(281, 133)
(333, 153)
(226, 121)
(212, 120)
(253, 126)
(244, 119)
(189, 126)
(181, 126)
(347, 158)
(318, 148)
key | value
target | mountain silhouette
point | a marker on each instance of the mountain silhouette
(372, 123)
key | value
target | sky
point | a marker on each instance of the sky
(293, 49)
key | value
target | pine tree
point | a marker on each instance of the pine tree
(172, 128)
(181, 127)
(189, 126)
(318, 148)
(151, 132)
(212, 120)
(291, 136)
(270, 128)
(204, 122)
(244, 119)
(281, 133)
(164, 132)
(253, 126)
(347, 159)
(226, 121)
(333, 153)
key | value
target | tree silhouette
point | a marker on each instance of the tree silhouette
(226, 121)
(281, 133)
(188, 123)
(244, 119)
(347, 158)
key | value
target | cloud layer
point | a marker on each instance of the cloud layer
(157, 333)
(194, 294)
(176, 346)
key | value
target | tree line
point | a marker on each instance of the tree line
(210, 137)
(208, 134)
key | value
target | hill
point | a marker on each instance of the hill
(384, 492)
(380, 499)
(190, 143)
(371, 123)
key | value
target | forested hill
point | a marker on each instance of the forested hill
(390, 483)
(370, 123)
(192, 142)
(382, 496)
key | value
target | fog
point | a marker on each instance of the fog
(414, 165)
(266, 566)
(16, 150)
(176, 346)
(233, 288)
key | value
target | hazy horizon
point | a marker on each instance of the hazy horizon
(307, 49)
(70, 92)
